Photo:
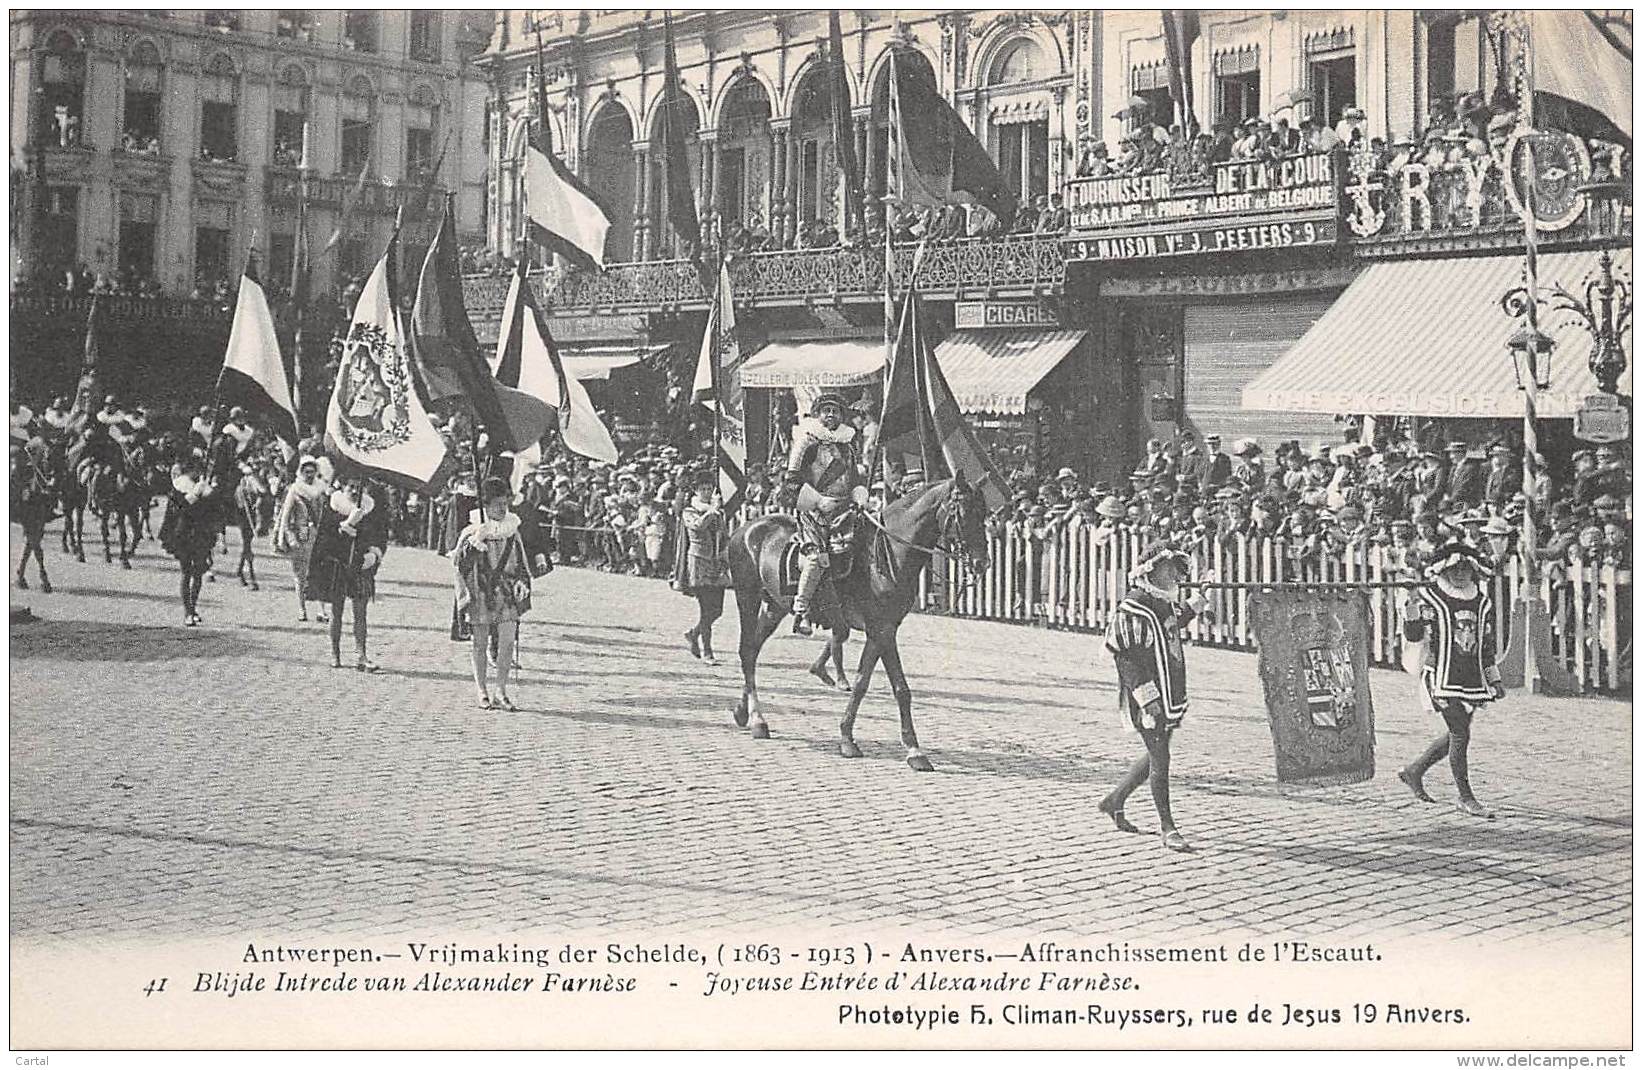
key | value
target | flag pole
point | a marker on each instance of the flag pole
(715, 321)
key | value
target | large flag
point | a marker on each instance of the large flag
(253, 372)
(675, 153)
(300, 271)
(1180, 30)
(350, 201)
(526, 358)
(564, 214)
(923, 434)
(933, 158)
(448, 362)
(848, 201)
(1582, 73)
(86, 390)
(375, 424)
(718, 386)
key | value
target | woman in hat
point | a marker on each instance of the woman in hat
(189, 530)
(294, 529)
(349, 541)
(1151, 666)
(1455, 616)
(493, 587)
(705, 571)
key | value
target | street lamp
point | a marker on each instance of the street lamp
(1531, 357)
(1605, 311)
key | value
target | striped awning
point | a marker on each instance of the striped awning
(1428, 338)
(993, 370)
(834, 362)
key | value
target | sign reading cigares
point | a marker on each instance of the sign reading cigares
(1233, 206)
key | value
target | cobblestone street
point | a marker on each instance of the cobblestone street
(224, 779)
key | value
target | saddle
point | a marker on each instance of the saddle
(840, 537)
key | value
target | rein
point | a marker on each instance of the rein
(944, 543)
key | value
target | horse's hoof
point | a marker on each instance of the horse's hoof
(22, 584)
(254, 587)
(80, 558)
(844, 685)
(740, 714)
(125, 564)
(919, 764)
(848, 749)
(761, 731)
(45, 586)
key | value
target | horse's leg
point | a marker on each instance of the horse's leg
(747, 605)
(108, 554)
(247, 548)
(903, 698)
(863, 677)
(125, 537)
(40, 558)
(22, 578)
(818, 667)
(840, 636)
(766, 618)
(80, 531)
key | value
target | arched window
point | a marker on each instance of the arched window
(359, 31)
(140, 125)
(62, 91)
(358, 125)
(743, 180)
(814, 178)
(878, 142)
(607, 167)
(421, 124)
(1016, 109)
(219, 110)
(663, 243)
(290, 116)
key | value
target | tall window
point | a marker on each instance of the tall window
(421, 120)
(1151, 84)
(62, 91)
(222, 21)
(140, 128)
(812, 126)
(1237, 84)
(354, 255)
(743, 161)
(1331, 69)
(424, 36)
(213, 232)
(1023, 158)
(359, 31)
(281, 250)
(58, 239)
(290, 116)
(139, 216)
(1019, 117)
(295, 25)
(219, 110)
(358, 125)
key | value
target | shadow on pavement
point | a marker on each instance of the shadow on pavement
(78, 641)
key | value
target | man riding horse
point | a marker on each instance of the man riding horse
(822, 487)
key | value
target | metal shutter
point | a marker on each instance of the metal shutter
(1227, 345)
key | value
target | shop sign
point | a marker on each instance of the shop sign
(1258, 282)
(1601, 418)
(1231, 238)
(1240, 187)
(969, 314)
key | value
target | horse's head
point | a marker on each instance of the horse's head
(963, 524)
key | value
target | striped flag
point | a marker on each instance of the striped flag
(923, 434)
(675, 152)
(564, 215)
(1180, 31)
(375, 424)
(1583, 72)
(253, 372)
(848, 201)
(718, 386)
(934, 160)
(89, 386)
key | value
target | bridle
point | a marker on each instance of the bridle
(949, 540)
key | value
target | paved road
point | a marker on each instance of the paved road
(218, 780)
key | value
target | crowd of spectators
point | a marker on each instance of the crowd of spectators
(1403, 496)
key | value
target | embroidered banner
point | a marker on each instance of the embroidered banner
(1314, 667)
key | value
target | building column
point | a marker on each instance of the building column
(794, 170)
(641, 200)
(875, 204)
(778, 179)
(709, 177)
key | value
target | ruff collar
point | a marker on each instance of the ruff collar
(810, 427)
(343, 505)
(488, 530)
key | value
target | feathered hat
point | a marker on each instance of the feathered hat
(1153, 556)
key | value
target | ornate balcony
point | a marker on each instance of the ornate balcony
(1015, 264)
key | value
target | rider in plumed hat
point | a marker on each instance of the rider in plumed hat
(1455, 617)
(821, 485)
(1144, 641)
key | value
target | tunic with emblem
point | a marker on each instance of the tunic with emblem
(1459, 650)
(1144, 641)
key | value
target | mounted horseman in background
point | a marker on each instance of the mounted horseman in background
(822, 488)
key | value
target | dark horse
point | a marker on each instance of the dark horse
(33, 504)
(875, 596)
(122, 491)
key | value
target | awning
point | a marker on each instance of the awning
(993, 370)
(1428, 338)
(836, 362)
(597, 362)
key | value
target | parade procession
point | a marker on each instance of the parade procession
(484, 471)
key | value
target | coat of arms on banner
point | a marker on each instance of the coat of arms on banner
(375, 412)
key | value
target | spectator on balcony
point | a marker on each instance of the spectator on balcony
(757, 234)
(1284, 140)
(1466, 479)
(1092, 159)
(1317, 138)
(1026, 220)
(1055, 219)
(980, 221)
(1504, 476)
(1351, 125)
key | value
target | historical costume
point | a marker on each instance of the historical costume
(298, 522)
(189, 531)
(349, 541)
(493, 587)
(822, 483)
(1144, 641)
(704, 562)
(1455, 617)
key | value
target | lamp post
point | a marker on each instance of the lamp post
(1604, 305)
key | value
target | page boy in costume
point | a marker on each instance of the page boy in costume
(349, 541)
(493, 588)
(1144, 641)
(822, 484)
(1455, 616)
